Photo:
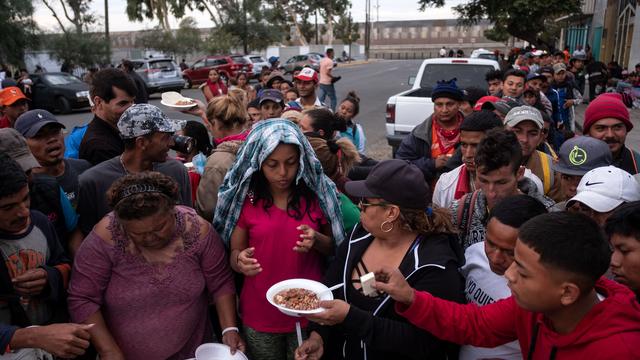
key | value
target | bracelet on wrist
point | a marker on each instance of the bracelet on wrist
(231, 328)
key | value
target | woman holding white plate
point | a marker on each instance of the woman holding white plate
(397, 228)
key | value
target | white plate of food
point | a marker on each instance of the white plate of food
(298, 297)
(215, 351)
(174, 100)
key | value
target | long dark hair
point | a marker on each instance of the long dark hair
(259, 190)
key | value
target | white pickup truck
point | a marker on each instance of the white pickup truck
(409, 108)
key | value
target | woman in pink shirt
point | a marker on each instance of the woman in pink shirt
(284, 228)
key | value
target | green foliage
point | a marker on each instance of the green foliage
(498, 35)
(84, 49)
(185, 40)
(523, 19)
(346, 30)
(250, 26)
(18, 30)
(218, 42)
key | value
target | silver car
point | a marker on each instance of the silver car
(159, 75)
(258, 62)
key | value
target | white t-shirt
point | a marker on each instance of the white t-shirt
(482, 287)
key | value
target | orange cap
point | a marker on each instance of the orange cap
(10, 95)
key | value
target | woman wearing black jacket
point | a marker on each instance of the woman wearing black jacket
(397, 230)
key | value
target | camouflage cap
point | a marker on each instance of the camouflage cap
(142, 119)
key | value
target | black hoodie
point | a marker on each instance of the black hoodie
(372, 330)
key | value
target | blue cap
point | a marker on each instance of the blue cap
(447, 89)
(271, 95)
(532, 76)
(29, 123)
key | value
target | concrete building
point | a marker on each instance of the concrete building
(610, 27)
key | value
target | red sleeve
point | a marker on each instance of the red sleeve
(487, 326)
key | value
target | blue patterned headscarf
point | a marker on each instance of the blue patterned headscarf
(260, 143)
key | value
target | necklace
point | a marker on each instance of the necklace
(126, 172)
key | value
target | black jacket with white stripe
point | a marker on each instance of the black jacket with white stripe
(377, 332)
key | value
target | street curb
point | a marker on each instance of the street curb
(356, 62)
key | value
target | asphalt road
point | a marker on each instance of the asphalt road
(374, 83)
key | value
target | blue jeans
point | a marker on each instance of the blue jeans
(331, 91)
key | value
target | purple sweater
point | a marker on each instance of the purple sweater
(153, 312)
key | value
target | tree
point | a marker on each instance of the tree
(18, 29)
(251, 25)
(183, 41)
(329, 9)
(187, 37)
(80, 16)
(519, 18)
(138, 10)
(346, 30)
(218, 42)
(76, 46)
(84, 49)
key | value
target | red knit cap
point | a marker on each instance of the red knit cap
(607, 105)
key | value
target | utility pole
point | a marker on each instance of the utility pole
(367, 29)
(316, 14)
(245, 41)
(106, 31)
(349, 30)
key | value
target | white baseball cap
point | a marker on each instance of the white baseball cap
(605, 188)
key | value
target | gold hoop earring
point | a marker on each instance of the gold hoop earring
(382, 226)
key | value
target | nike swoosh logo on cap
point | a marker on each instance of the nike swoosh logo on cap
(593, 183)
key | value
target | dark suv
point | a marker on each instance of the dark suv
(227, 65)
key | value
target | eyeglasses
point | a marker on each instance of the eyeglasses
(362, 204)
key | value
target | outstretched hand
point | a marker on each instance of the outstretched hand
(392, 282)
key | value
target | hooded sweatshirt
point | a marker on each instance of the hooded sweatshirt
(610, 330)
(218, 164)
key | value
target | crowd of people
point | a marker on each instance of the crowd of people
(496, 232)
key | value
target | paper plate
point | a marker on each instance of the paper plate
(316, 287)
(170, 98)
(215, 351)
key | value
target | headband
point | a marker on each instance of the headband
(136, 189)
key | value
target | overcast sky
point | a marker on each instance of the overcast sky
(388, 10)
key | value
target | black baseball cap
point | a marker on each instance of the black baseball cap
(29, 123)
(396, 181)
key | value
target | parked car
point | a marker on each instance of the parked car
(483, 54)
(409, 108)
(159, 74)
(227, 65)
(258, 62)
(311, 60)
(58, 92)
